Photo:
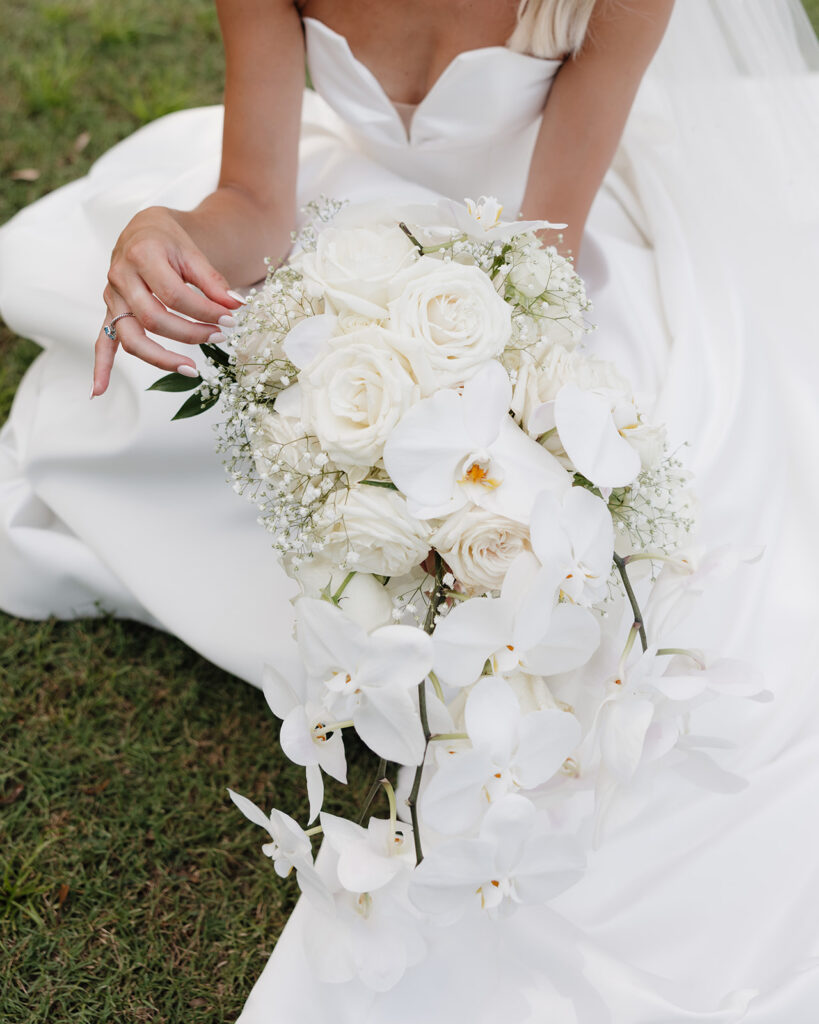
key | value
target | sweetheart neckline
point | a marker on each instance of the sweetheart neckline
(457, 59)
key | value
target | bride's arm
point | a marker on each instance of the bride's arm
(587, 111)
(248, 217)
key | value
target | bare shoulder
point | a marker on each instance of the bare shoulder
(621, 30)
(242, 20)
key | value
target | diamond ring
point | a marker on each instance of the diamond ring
(110, 328)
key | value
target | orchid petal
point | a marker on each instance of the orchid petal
(453, 801)
(506, 826)
(284, 688)
(572, 637)
(591, 439)
(590, 529)
(492, 715)
(328, 639)
(308, 339)
(397, 656)
(361, 867)
(467, 636)
(388, 722)
(546, 739)
(315, 790)
(626, 723)
(446, 879)
(252, 812)
(527, 468)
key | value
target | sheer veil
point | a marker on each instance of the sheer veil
(717, 170)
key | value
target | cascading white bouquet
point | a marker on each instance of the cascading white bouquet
(462, 492)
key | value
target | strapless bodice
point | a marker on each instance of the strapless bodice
(474, 129)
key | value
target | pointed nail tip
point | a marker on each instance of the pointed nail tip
(187, 371)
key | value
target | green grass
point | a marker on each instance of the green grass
(130, 889)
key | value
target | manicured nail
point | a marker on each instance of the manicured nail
(237, 296)
(215, 338)
(92, 390)
(226, 321)
(187, 371)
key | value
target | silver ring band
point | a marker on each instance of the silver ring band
(110, 328)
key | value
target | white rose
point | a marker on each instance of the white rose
(382, 535)
(356, 391)
(363, 599)
(455, 313)
(352, 268)
(479, 547)
(283, 439)
(531, 275)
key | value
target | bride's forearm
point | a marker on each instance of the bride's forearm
(236, 234)
(587, 111)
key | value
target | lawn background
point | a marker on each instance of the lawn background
(130, 889)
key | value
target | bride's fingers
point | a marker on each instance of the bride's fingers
(172, 288)
(154, 317)
(104, 352)
(133, 340)
(196, 269)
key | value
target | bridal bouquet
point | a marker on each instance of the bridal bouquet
(492, 542)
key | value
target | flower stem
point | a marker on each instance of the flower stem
(411, 237)
(344, 584)
(448, 736)
(435, 600)
(380, 778)
(635, 607)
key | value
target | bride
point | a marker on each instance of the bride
(696, 244)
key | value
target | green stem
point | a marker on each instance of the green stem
(684, 652)
(373, 793)
(435, 600)
(635, 607)
(448, 736)
(345, 583)
(411, 237)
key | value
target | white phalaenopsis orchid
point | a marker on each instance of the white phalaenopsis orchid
(575, 537)
(368, 858)
(366, 678)
(522, 628)
(462, 445)
(290, 845)
(643, 717)
(513, 860)
(510, 751)
(305, 737)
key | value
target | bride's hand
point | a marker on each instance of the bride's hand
(153, 263)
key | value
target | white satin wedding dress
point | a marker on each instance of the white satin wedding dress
(700, 907)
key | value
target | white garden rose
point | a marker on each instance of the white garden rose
(381, 535)
(531, 274)
(355, 392)
(479, 547)
(352, 268)
(455, 314)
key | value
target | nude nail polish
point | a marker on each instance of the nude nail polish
(187, 371)
(92, 391)
(237, 296)
(215, 338)
(226, 321)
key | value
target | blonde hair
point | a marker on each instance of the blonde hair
(551, 28)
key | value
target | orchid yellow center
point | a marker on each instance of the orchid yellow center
(478, 474)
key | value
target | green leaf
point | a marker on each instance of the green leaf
(195, 405)
(381, 483)
(216, 354)
(175, 382)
